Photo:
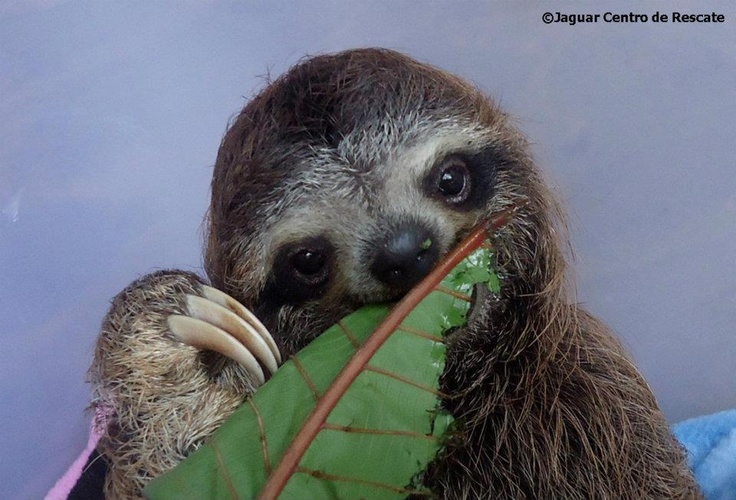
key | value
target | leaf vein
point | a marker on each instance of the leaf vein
(382, 432)
(453, 293)
(401, 378)
(350, 335)
(262, 432)
(334, 477)
(303, 372)
(420, 333)
(224, 471)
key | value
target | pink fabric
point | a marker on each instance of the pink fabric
(64, 486)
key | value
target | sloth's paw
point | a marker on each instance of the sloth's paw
(160, 388)
(161, 338)
(215, 321)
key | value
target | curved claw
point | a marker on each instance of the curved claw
(203, 335)
(244, 332)
(217, 322)
(236, 307)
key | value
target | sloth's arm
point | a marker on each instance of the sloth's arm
(160, 384)
(580, 422)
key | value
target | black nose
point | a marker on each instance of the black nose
(406, 255)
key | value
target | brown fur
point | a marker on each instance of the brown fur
(546, 401)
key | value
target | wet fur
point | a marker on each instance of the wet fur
(546, 401)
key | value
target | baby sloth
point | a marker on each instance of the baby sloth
(341, 184)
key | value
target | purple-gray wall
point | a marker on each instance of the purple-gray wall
(111, 114)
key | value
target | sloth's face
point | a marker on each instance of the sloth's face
(346, 180)
(351, 237)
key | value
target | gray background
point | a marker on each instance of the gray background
(111, 114)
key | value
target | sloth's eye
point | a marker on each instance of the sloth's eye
(301, 271)
(308, 262)
(454, 181)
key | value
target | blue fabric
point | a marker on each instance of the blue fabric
(711, 445)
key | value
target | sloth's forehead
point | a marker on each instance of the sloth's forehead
(368, 168)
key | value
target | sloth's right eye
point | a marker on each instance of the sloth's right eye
(308, 262)
(301, 271)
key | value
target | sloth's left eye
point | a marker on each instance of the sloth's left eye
(454, 181)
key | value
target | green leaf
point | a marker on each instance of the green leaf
(383, 429)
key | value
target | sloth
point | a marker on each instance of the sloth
(342, 183)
